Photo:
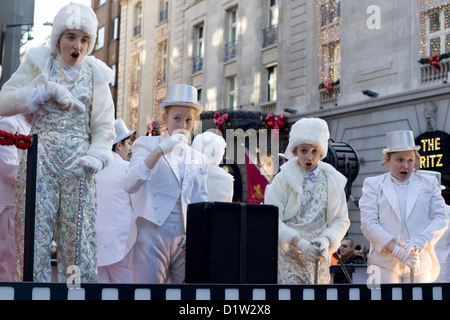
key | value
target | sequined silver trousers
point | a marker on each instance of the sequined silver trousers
(65, 211)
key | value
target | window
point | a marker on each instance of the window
(332, 61)
(270, 33)
(135, 73)
(330, 12)
(273, 13)
(115, 34)
(114, 69)
(101, 2)
(438, 31)
(100, 38)
(161, 63)
(272, 83)
(138, 19)
(230, 46)
(199, 49)
(164, 10)
(231, 92)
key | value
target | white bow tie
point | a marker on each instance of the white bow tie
(311, 176)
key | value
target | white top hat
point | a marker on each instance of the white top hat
(401, 140)
(182, 95)
(122, 132)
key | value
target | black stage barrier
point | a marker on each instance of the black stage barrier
(223, 292)
(231, 243)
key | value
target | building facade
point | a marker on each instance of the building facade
(361, 65)
(107, 45)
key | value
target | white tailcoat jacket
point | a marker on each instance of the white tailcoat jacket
(114, 212)
(381, 221)
(156, 192)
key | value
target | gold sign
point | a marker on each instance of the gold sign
(434, 151)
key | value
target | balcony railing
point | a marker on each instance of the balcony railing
(435, 74)
(270, 36)
(137, 30)
(163, 15)
(327, 97)
(197, 64)
(230, 51)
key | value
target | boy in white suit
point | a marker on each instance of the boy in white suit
(165, 175)
(114, 211)
(403, 215)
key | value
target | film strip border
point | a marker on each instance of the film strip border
(55, 291)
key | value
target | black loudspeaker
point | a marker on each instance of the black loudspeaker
(231, 243)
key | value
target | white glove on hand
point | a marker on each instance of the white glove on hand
(409, 258)
(311, 252)
(322, 244)
(416, 244)
(182, 243)
(175, 141)
(64, 97)
(86, 165)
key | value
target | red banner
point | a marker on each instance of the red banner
(256, 182)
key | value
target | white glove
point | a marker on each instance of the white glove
(416, 244)
(86, 165)
(182, 243)
(311, 252)
(175, 141)
(63, 96)
(322, 243)
(409, 258)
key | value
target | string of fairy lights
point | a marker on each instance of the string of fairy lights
(328, 42)
(433, 19)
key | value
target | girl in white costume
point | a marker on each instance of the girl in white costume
(65, 95)
(403, 215)
(312, 205)
(165, 175)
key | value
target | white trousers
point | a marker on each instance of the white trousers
(7, 244)
(114, 273)
(157, 257)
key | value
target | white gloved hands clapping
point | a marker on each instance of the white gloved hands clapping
(63, 96)
(177, 140)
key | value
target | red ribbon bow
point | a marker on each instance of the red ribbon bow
(329, 87)
(220, 119)
(434, 61)
(275, 122)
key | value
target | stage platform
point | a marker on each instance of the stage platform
(191, 292)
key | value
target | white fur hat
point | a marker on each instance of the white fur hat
(308, 130)
(75, 16)
(211, 145)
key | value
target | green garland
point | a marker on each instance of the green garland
(322, 85)
(441, 57)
